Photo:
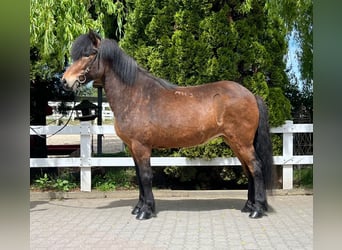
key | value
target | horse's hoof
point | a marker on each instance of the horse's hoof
(256, 214)
(136, 210)
(144, 215)
(248, 208)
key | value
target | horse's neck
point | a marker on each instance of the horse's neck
(119, 95)
(112, 88)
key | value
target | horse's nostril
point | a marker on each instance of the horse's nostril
(63, 81)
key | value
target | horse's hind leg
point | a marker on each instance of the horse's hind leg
(260, 205)
(257, 200)
(256, 203)
(249, 205)
(145, 209)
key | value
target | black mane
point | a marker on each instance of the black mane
(124, 66)
(82, 46)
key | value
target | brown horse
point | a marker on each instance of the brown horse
(152, 113)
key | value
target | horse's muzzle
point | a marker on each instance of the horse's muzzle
(65, 85)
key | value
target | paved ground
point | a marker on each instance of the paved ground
(201, 221)
(110, 143)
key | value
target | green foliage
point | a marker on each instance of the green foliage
(279, 107)
(277, 144)
(303, 177)
(63, 185)
(43, 183)
(231, 174)
(105, 186)
(298, 19)
(184, 174)
(115, 178)
(47, 183)
(214, 148)
(299, 98)
(54, 25)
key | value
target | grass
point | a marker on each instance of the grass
(303, 177)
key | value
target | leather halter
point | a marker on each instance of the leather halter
(82, 77)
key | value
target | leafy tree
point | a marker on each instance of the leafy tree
(54, 25)
(298, 19)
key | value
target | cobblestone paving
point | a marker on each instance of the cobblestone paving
(181, 223)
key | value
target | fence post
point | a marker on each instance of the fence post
(85, 155)
(288, 154)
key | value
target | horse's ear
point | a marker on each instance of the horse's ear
(95, 38)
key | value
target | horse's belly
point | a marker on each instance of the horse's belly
(182, 137)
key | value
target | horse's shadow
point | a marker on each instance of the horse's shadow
(183, 204)
(34, 204)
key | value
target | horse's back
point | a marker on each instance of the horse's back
(230, 88)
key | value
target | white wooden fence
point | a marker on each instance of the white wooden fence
(86, 161)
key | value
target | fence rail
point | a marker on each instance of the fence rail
(86, 161)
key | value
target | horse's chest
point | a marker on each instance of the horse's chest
(130, 127)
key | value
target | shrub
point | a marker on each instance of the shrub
(46, 183)
(115, 178)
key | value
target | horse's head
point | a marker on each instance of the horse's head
(84, 53)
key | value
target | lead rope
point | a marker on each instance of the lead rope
(67, 122)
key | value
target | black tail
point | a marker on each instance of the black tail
(263, 144)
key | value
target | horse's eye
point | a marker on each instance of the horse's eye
(90, 53)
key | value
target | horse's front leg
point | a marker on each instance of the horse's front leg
(145, 209)
(140, 203)
(148, 208)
